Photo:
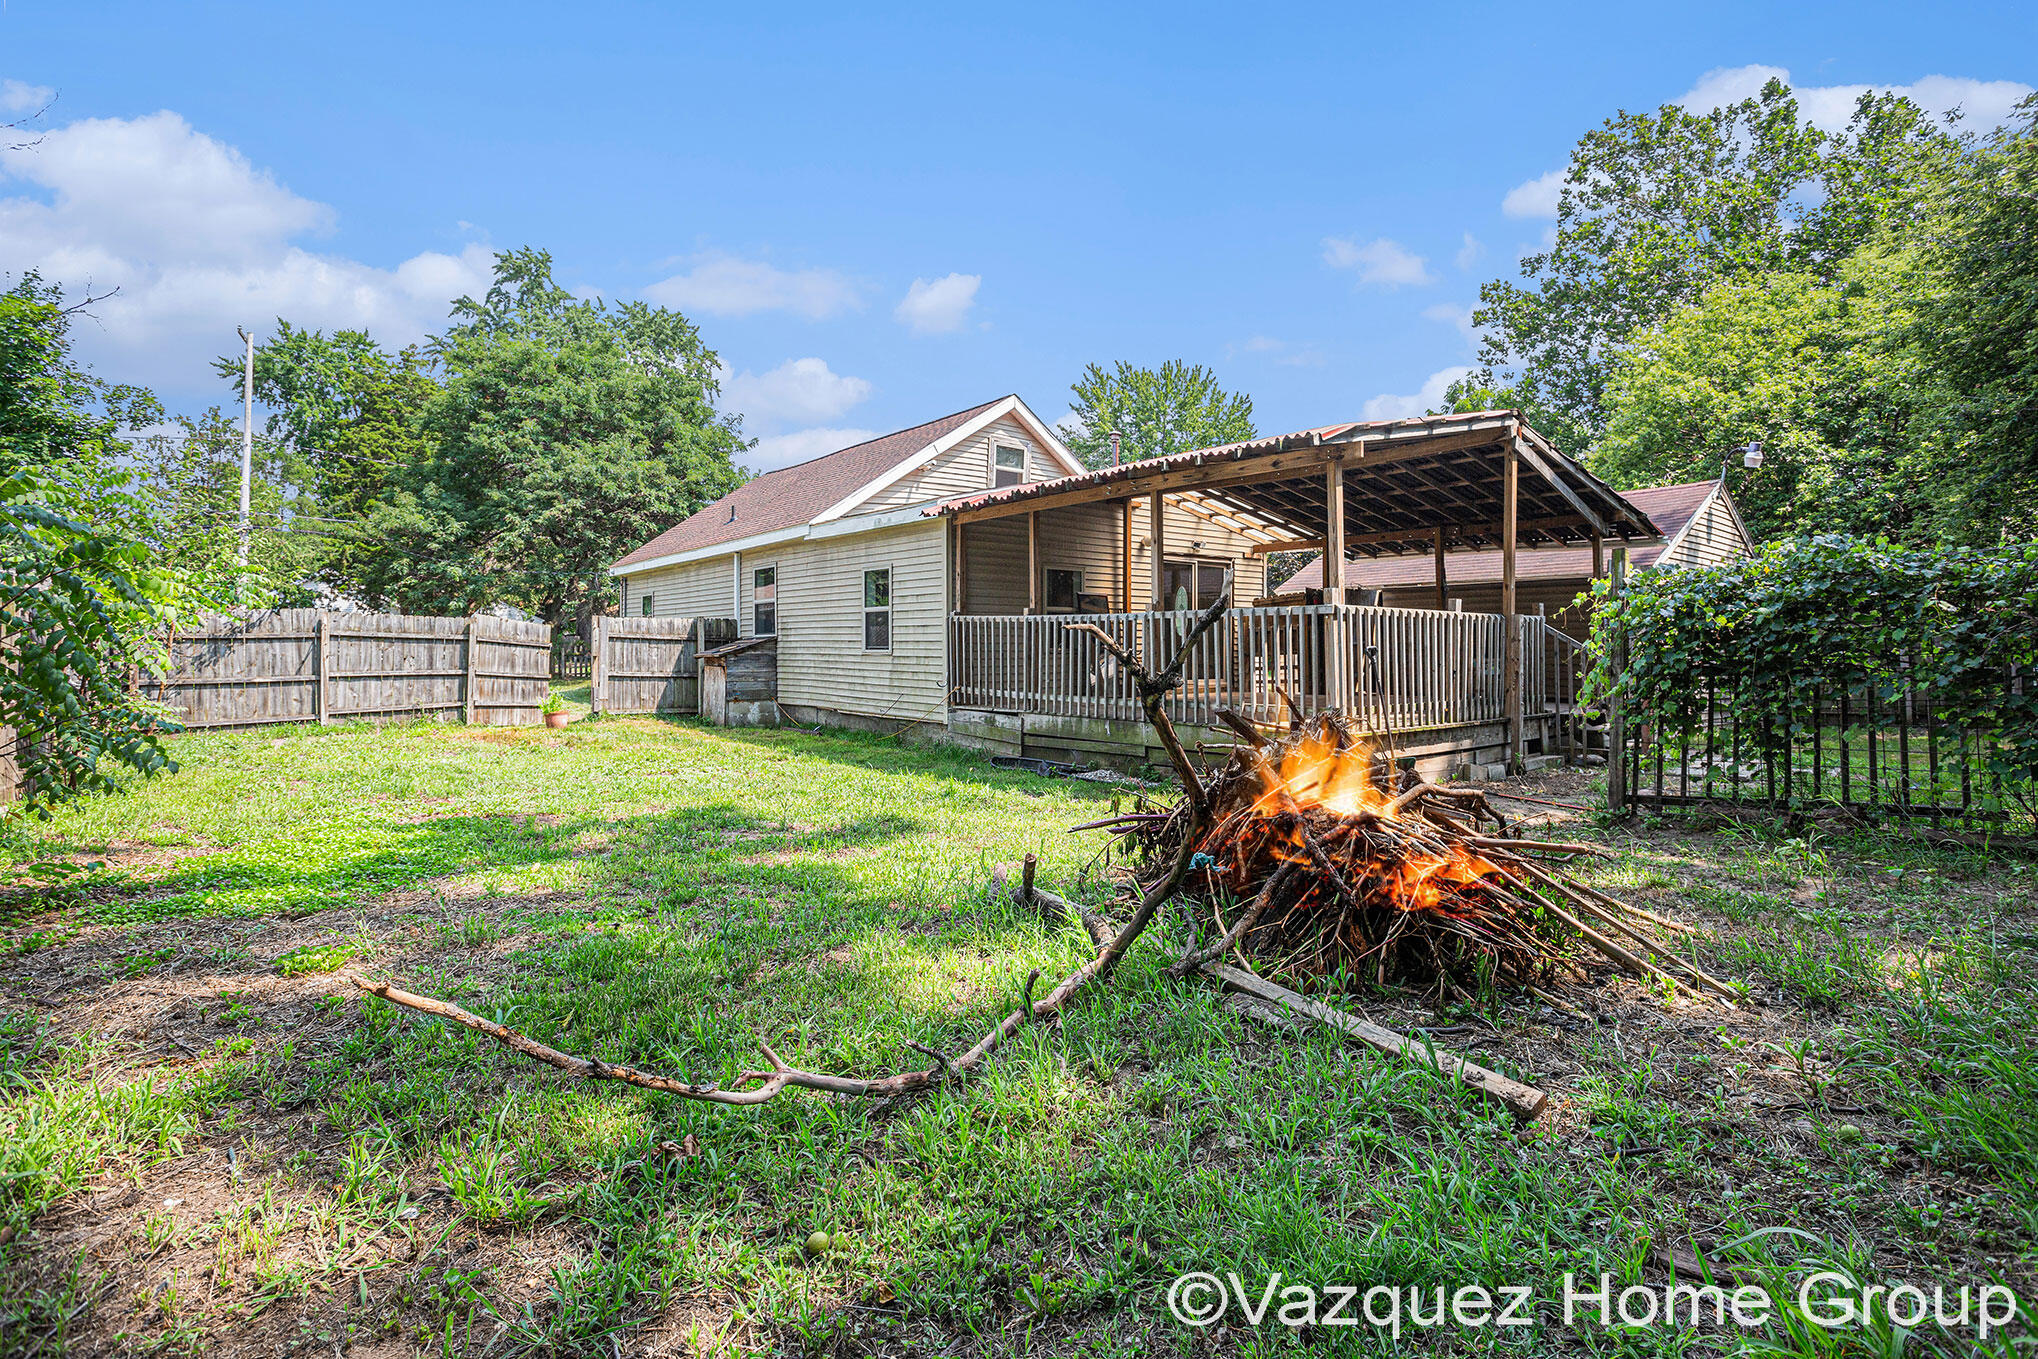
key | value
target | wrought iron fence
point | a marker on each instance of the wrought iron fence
(1879, 749)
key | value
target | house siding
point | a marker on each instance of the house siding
(692, 590)
(1713, 536)
(1089, 538)
(964, 469)
(821, 660)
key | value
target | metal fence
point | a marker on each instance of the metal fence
(1879, 749)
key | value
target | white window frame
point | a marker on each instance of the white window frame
(755, 571)
(1025, 452)
(887, 609)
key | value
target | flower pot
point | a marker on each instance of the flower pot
(558, 719)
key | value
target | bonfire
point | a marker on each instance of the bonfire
(1318, 861)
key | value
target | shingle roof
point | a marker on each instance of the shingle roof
(792, 496)
(1670, 507)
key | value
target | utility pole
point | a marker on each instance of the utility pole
(247, 436)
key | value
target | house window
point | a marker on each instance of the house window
(1008, 465)
(1064, 589)
(1190, 585)
(644, 604)
(877, 609)
(764, 601)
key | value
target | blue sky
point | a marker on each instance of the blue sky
(877, 218)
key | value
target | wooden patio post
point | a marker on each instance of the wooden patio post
(1159, 537)
(1443, 579)
(1340, 692)
(1511, 680)
(1125, 580)
(1598, 556)
(1616, 725)
(961, 567)
(1033, 561)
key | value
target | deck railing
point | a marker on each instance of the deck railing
(1398, 669)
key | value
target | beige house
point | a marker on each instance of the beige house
(839, 560)
(929, 579)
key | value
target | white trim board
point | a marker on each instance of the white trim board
(1010, 406)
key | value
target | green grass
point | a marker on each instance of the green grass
(669, 896)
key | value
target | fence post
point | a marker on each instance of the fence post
(1616, 726)
(322, 660)
(598, 664)
(467, 691)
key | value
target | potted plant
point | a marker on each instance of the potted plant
(554, 708)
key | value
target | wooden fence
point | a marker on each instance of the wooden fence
(304, 665)
(572, 658)
(652, 665)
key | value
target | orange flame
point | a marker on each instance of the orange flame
(1319, 776)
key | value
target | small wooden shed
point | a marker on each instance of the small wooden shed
(739, 683)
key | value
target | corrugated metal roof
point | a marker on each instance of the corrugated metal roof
(1419, 510)
(1670, 508)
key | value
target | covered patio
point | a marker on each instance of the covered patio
(1140, 544)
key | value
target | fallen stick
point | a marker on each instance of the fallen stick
(1055, 910)
(1523, 1101)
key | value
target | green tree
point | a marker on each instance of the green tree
(347, 423)
(1980, 330)
(566, 432)
(190, 476)
(1824, 375)
(1657, 208)
(82, 592)
(1155, 411)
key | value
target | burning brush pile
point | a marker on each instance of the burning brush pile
(1313, 865)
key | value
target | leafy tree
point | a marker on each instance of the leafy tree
(347, 416)
(566, 432)
(82, 591)
(1657, 208)
(1980, 331)
(1823, 374)
(191, 479)
(1155, 411)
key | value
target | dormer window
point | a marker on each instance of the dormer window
(1008, 465)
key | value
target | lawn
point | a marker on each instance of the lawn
(210, 1141)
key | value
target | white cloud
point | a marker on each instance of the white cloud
(797, 392)
(1280, 351)
(1983, 103)
(933, 306)
(783, 450)
(725, 285)
(1388, 406)
(1382, 261)
(1470, 251)
(18, 96)
(1537, 198)
(197, 240)
(1450, 313)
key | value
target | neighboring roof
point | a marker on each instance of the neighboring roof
(1403, 479)
(1670, 508)
(826, 487)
